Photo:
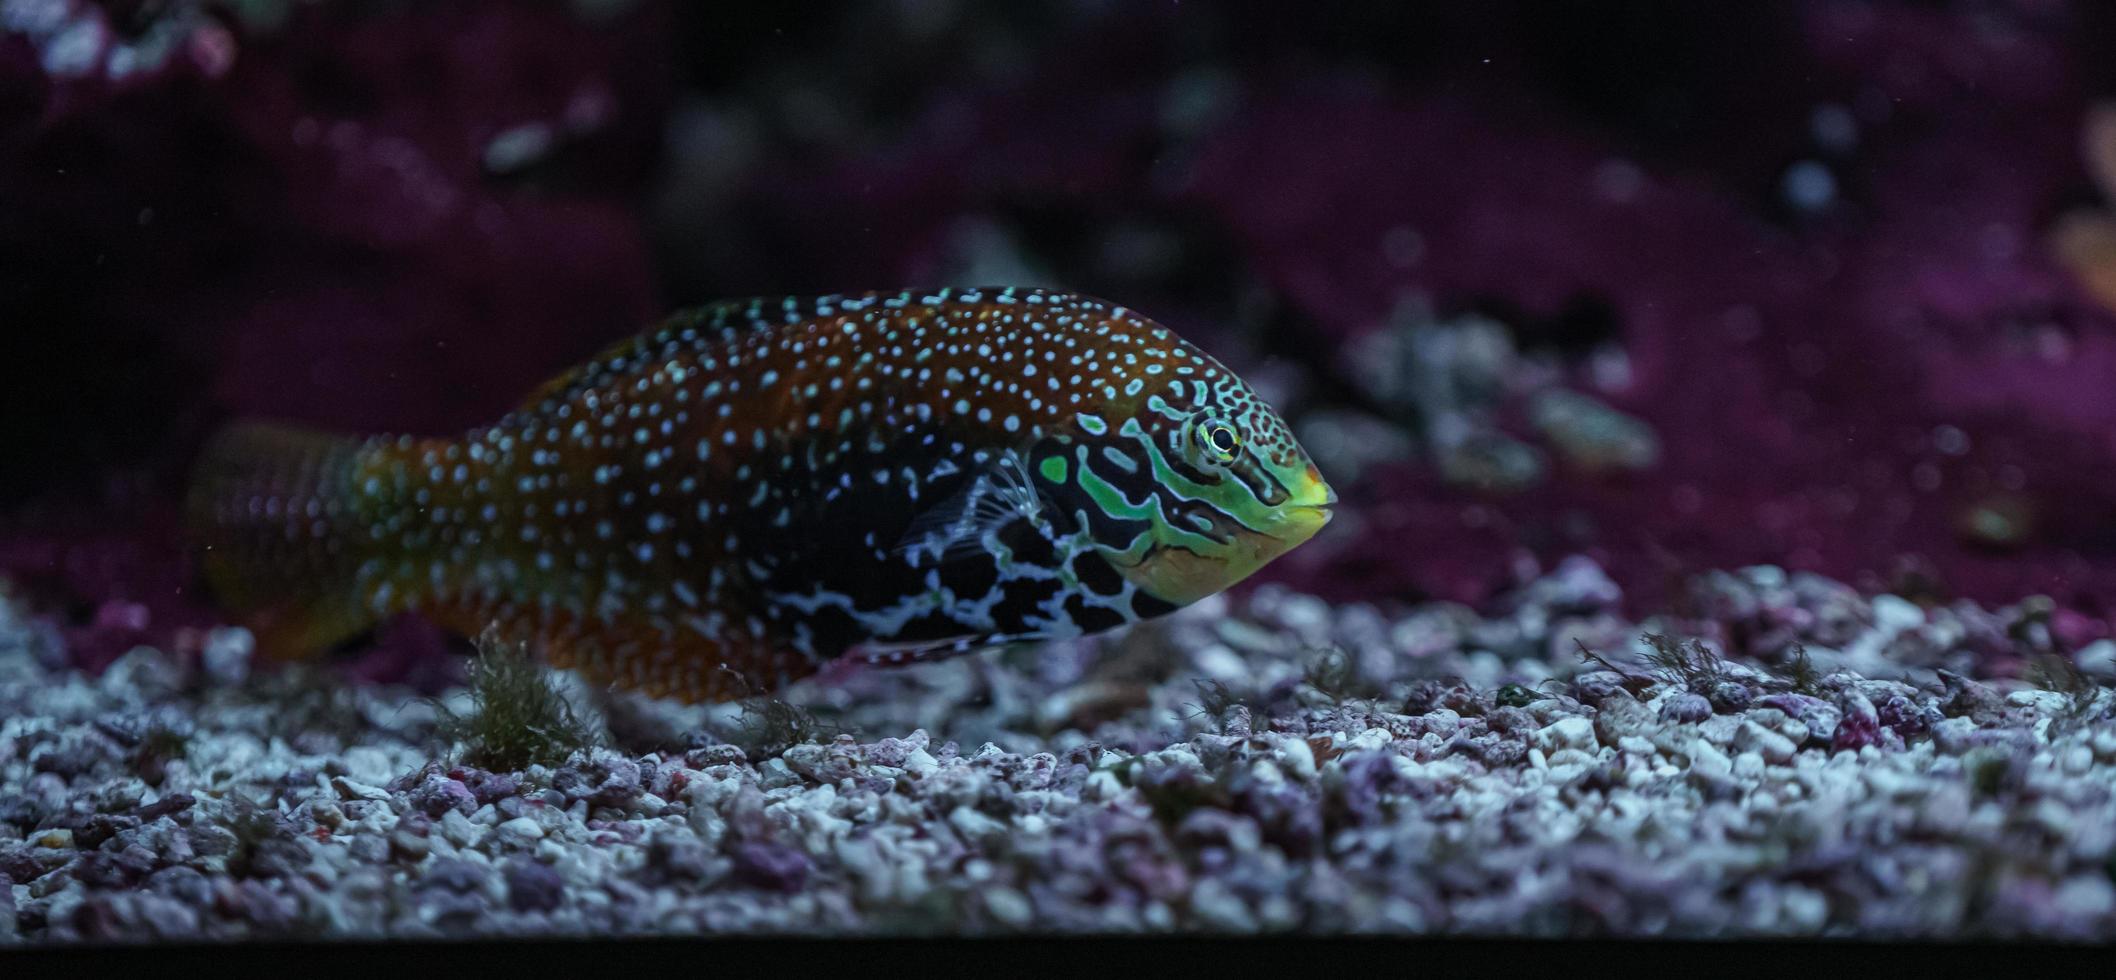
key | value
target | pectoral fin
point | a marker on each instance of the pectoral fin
(998, 494)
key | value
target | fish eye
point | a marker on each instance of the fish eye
(1219, 440)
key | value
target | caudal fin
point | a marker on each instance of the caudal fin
(273, 507)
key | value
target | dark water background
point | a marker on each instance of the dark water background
(1677, 286)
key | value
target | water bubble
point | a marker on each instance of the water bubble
(1809, 186)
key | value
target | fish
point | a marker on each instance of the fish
(751, 490)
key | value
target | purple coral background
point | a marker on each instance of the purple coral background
(316, 220)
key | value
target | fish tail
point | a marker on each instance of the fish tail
(275, 510)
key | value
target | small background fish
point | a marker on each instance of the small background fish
(718, 507)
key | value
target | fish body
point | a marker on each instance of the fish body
(725, 503)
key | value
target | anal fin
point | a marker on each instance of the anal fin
(290, 632)
(883, 653)
(629, 653)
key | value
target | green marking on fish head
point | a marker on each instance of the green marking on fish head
(1193, 483)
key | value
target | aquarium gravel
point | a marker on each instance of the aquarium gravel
(1787, 758)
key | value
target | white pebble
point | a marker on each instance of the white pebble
(2097, 660)
(1773, 747)
(1894, 614)
(1297, 757)
(1371, 740)
(1566, 733)
(1708, 760)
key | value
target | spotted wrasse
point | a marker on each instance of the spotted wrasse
(723, 504)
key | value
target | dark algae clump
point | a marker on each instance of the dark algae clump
(769, 726)
(518, 717)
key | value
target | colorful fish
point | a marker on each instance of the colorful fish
(724, 504)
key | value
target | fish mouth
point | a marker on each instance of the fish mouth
(1307, 510)
(1298, 524)
(1308, 489)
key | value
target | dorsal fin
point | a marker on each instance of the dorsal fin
(585, 375)
(720, 321)
(729, 319)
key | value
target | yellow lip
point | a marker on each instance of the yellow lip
(1309, 492)
(1297, 524)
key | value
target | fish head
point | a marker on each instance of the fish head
(1189, 483)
